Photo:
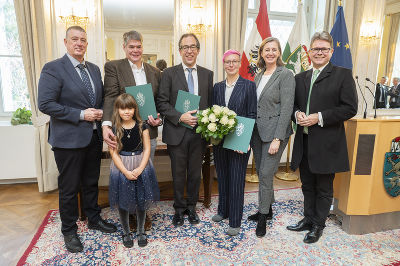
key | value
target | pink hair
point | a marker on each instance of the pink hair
(229, 52)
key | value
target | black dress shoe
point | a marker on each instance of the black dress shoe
(193, 217)
(255, 216)
(72, 243)
(102, 226)
(314, 235)
(261, 228)
(142, 240)
(178, 219)
(127, 240)
(303, 225)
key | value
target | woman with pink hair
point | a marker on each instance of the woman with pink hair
(239, 95)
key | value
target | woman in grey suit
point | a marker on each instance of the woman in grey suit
(275, 97)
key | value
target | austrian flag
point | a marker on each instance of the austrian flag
(259, 32)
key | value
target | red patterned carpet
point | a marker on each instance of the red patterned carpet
(207, 243)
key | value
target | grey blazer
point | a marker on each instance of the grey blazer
(275, 105)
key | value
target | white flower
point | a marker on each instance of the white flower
(212, 127)
(231, 122)
(224, 120)
(204, 119)
(205, 112)
(212, 118)
(217, 109)
(230, 113)
(225, 110)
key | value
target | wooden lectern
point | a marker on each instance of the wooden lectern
(360, 197)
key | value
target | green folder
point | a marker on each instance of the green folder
(186, 102)
(239, 139)
(144, 97)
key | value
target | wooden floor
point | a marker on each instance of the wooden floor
(22, 209)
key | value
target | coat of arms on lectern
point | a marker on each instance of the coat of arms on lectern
(391, 169)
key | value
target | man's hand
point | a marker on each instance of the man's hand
(300, 116)
(109, 137)
(99, 114)
(92, 114)
(188, 119)
(310, 120)
(154, 122)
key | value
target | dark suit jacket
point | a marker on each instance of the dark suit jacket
(173, 79)
(275, 105)
(334, 95)
(62, 96)
(394, 100)
(380, 104)
(118, 75)
(243, 100)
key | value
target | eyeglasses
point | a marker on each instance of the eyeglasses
(233, 62)
(187, 47)
(323, 50)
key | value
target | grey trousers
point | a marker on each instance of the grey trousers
(266, 166)
(153, 146)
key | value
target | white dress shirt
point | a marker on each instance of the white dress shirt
(229, 90)
(195, 77)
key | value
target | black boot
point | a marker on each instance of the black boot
(255, 216)
(261, 229)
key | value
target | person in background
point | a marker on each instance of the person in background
(381, 93)
(275, 96)
(161, 64)
(70, 91)
(239, 95)
(394, 93)
(325, 97)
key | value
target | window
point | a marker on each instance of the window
(396, 65)
(13, 89)
(281, 14)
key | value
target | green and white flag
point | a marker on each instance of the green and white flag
(295, 54)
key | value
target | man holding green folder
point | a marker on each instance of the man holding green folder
(185, 147)
(130, 71)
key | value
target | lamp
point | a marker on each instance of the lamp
(73, 20)
(197, 20)
(369, 32)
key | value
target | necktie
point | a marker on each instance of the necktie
(190, 81)
(86, 83)
(313, 78)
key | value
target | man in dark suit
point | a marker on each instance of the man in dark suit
(185, 147)
(381, 93)
(325, 97)
(394, 92)
(70, 91)
(130, 71)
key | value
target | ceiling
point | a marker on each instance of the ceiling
(142, 14)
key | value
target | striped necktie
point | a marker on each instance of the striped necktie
(86, 82)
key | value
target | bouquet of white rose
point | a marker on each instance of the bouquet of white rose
(216, 122)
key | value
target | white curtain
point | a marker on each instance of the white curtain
(36, 45)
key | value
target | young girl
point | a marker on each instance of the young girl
(133, 183)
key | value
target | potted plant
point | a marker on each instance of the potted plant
(21, 116)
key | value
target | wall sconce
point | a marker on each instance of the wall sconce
(369, 32)
(196, 19)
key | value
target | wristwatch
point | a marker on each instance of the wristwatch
(277, 139)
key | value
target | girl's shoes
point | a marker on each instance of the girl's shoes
(127, 240)
(142, 240)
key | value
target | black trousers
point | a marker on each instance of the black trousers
(186, 163)
(317, 190)
(79, 169)
(231, 170)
